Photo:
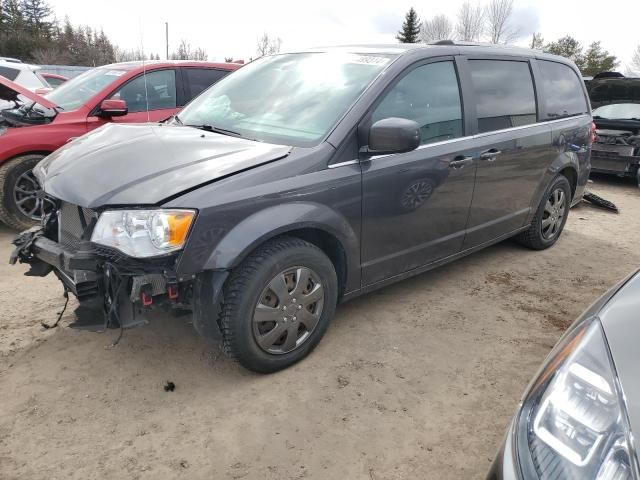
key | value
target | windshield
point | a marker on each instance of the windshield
(618, 111)
(292, 99)
(75, 92)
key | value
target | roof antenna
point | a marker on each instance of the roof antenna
(144, 71)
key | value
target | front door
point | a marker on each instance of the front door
(150, 101)
(415, 205)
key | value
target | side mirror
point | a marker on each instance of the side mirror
(113, 108)
(393, 135)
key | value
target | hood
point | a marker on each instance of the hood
(144, 164)
(604, 91)
(9, 91)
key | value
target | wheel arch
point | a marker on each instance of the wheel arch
(571, 174)
(15, 156)
(315, 223)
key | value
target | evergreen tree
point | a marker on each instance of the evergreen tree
(410, 32)
(567, 47)
(36, 15)
(597, 60)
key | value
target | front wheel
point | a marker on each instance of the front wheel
(551, 216)
(22, 200)
(278, 304)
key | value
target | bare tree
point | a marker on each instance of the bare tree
(185, 52)
(498, 16)
(438, 28)
(537, 42)
(634, 67)
(123, 55)
(470, 22)
(267, 45)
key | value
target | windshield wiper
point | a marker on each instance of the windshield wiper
(222, 131)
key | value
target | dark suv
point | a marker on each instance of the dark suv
(306, 179)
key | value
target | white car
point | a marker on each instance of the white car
(24, 74)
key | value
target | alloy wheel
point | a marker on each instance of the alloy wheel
(288, 310)
(29, 197)
(554, 212)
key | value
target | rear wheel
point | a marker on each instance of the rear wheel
(278, 304)
(551, 216)
(22, 200)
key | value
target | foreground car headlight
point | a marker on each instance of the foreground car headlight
(573, 424)
(143, 233)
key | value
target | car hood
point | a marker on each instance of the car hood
(614, 90)
(9, 91)
(145, 164)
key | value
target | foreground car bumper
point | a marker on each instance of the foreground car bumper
(505, 465)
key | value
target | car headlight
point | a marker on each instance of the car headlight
(574, 424)
(143, 233)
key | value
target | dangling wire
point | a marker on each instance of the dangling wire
(60, 313)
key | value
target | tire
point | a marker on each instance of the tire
(541, 233)
(263, 345)
(12, 172)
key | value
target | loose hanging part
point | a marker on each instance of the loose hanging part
(60, 313)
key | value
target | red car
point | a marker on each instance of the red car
(33, 126)
(54, 79)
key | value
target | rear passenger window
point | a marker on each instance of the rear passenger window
(430, 96)
(562, 89)
(504, 94)
(199, 79)
(9, 73)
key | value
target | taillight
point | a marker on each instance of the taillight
(593, 132)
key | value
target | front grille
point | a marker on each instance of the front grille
(74, 224)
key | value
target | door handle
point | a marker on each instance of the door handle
(460, 161)
(490, 155)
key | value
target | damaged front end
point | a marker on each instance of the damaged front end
(114, 290)
(617, 152)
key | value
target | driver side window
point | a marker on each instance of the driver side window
(430, 96)
(160, 88)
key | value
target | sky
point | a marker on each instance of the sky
(231, 28)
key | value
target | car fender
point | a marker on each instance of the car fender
(566, 158)
(276, 220)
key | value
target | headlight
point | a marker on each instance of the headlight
(574, 424)
(143, 233)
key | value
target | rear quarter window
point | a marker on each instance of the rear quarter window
(9, 73)
(199, 79)
(564, 94)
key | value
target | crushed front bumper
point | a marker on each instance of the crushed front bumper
(615, 159)
(115, 291)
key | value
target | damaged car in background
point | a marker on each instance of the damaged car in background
(616, 113)
(33, 126)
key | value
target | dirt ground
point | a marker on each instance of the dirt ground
(417, 380)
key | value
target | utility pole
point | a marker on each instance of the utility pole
(166, 37)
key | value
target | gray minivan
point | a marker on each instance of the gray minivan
(305, 179)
